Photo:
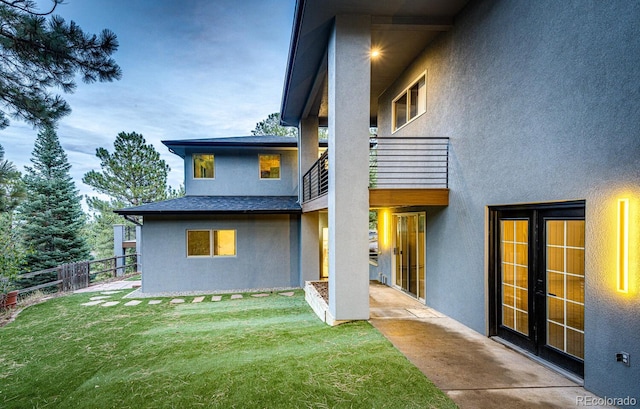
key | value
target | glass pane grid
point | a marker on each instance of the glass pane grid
(565, 311)
(515, 274)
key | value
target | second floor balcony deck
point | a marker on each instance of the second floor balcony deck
(410, 171)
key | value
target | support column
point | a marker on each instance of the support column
(139, 248)
(349, 71)
(118, 248)
(309, 238)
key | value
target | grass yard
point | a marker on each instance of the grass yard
(269, 352)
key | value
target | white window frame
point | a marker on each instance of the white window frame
(422, 103)
(279, 162)
(193, 170)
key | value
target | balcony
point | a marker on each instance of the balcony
(411, 171)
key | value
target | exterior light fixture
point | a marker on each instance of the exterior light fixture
(385, 228)
(375, 53)
(623, 246)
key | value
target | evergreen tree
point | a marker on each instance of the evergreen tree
(11, 186)
(52, 217)
(134, 174)
(12, 254)
(271, 126)
(37, 54)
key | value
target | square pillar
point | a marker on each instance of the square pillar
(118, 248)
(349, 76)
(309, 237)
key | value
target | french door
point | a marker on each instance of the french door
(409, 252)
(537, 280)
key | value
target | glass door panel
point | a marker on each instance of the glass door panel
(565, 286)
(409, 253)
(514, 265)
(412, 254)
(422, 225)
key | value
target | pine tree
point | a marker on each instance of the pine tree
(52, 216)
(38, 54)
(132, 175)
(271, 126)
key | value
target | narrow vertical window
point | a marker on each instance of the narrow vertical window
(411, 103)
(198, 243)
(203, 166)
(224, 243)
(269, 166)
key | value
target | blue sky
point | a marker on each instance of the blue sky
(191, 69)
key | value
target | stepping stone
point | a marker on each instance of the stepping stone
(110, 292)
(154, 302)
(133, 302)
(100, 297)
(236, 296)
(288, 294)
(197, 299)
(176, 301)
(216, 298)
(260, 295)
(96, 302)
(110, 303)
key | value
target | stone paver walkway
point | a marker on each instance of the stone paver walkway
(115, 289)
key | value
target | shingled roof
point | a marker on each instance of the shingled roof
(218, 205)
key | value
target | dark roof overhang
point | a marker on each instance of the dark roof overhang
(181, 146)
(209, 205)
(405, 28)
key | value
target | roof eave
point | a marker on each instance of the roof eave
(293, 46)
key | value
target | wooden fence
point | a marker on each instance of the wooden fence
(74, 276)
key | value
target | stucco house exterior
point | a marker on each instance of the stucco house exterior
(530, 234)
(238, 226)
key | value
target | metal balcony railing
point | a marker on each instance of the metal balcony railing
(409, 163)
(394, 163)
(315, 182)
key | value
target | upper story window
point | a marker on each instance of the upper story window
(269, 166)
(410, 104)
(203, 166)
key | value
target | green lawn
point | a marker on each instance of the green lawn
(269, 352)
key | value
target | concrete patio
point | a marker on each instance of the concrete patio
(475, 371)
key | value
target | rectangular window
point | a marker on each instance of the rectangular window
(207, 243)
(225, 243)
(269, 166)
(198, 243)
(203, 166)
(411, 103)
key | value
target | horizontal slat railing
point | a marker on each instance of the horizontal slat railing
(409, 162)
(315, 182)
(394, 163)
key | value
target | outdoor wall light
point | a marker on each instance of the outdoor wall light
(375, 53)
(623, 246)
(385, 228)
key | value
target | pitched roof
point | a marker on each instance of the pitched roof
(218, 205)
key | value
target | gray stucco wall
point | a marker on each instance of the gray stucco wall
(267, 254)
(237, 174)
(540, 100)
